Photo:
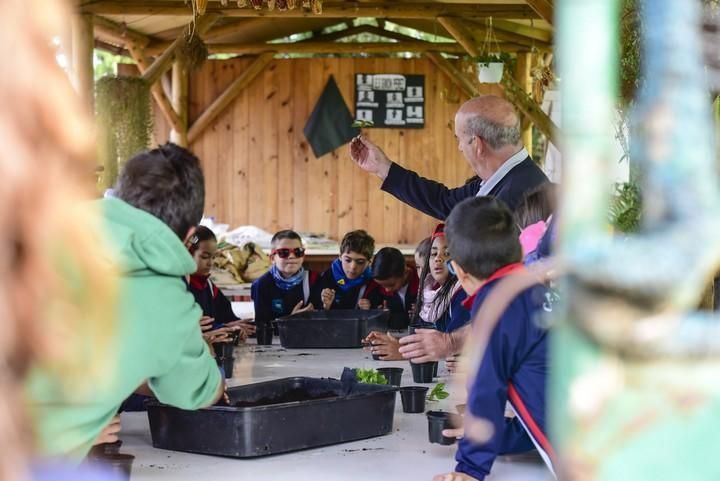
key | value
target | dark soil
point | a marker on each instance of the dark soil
(293, 395)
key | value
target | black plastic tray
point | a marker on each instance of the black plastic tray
(341, 328)
(246, 432)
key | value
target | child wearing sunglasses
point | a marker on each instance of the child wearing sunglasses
(345, 283)
(285, 288)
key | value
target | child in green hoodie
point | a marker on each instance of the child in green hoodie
(156, 203)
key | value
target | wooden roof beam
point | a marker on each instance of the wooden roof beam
(479, 29)
(163, 63)
(348, 32)
(226, 98)
(119, 34)
(544, 8)
(335, 47)
(330, 9)
(458, 78)
(520, 29)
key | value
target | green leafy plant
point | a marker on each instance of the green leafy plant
(370, 376)
(502, 57)
(438, 392)
(362, 123)
(626, 207)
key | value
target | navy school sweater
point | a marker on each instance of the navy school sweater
(344, 299)
(436, 200)
(456, 315)
(513, 368)
(272, 302)
(400, 306)
(212, 301)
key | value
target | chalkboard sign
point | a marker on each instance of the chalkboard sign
(390, 100)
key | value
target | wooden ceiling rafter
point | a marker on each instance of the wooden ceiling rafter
(544, 8)
(330, 9)
(323, 47)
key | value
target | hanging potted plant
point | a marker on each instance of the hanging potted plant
(491, 61)
(490, 67)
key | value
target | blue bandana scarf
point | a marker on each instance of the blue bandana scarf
(343, 282)
(287, 283)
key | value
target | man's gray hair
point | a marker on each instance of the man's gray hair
(496, 135)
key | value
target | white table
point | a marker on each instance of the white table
(405, 454)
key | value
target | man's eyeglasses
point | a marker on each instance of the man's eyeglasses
(285, 253)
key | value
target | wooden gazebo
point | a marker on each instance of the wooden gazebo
(151, 31)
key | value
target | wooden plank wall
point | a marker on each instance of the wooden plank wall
(259, 168)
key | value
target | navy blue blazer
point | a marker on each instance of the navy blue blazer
(436, 200)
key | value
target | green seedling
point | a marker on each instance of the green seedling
(438, 392)
(370, 376)
(363, 123)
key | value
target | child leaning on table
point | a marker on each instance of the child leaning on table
(285, 288)
(344, 284)
(483, 242)
(396, 287)
(218, 317)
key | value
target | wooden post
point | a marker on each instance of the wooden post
(156, 89)
(220, 103)
(83, 70)
(180, 78)
(524, 80)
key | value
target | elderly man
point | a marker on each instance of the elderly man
(487, 129)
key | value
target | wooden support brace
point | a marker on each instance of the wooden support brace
(530, 108)
(524, 80)
(180, 80)
(156, 89)
(118, 34)
(461, 34)
(163, 63)
(226, 98)
(454, 73)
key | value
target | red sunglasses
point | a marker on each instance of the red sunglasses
(285, 253)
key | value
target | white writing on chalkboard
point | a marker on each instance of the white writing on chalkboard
(390, 100)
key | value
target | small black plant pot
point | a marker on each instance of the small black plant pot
(223, 350)
(228, 364)
(392, 374)
(435, 370)
(376, 357)
(423, 373)
(264, 335)
(420, 325)
(120, 464)
(413, 398)
(439, 420)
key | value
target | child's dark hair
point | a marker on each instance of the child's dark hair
(482, 236)
(388, 263)
(285, 234)
(201, 234)
(358, 241)
(442, 298)
(537, 204)
(423, 249)
(166, 182)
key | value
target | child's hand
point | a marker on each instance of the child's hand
(364, 304)
(109, 434)
(453, 477)
(385, 346)
(457, 433)
(223, 334)
(328, 297)
(299, 307)
(453, 363)
(206, 323)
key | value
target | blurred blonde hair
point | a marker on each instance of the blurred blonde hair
(57, 293)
